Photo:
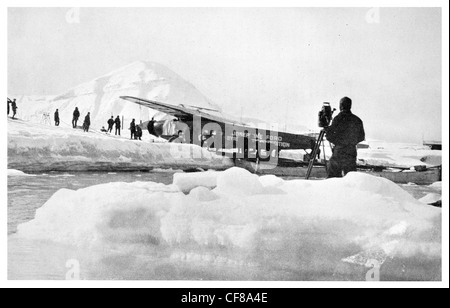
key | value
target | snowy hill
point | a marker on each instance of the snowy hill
(101, 97)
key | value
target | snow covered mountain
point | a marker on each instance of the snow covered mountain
(101, 97)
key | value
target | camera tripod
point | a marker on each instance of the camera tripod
(314, 153)
(46, 118)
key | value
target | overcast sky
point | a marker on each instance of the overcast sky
(274, 64)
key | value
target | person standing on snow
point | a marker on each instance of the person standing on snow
(133, 129)
(118, 123)
(138, 132)
(57, 117)
(76, 116)
(110, 124)
(346, 131)
(14, 108)
(151, 127)
(8, 101)
(87, 122)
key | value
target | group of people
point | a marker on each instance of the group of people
(117, 123)
(76, 117)
(136, 130)
(13, 104)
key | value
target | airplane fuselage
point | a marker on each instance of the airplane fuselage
(221, 135)
(236, 141)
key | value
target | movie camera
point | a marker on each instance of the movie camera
(325, 118)
(326, 115)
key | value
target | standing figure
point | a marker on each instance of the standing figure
(133, 129)
(346, 131)
(118, 123)
(151, 127)
(57, 117)
(14, 108)
(138, 132)
(110, 124)
(8, 101)
(76, 116)
(87, 122)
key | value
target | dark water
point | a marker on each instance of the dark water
(27, 194)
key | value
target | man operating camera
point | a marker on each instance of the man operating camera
(345, 132)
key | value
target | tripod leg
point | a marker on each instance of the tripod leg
(314, 154)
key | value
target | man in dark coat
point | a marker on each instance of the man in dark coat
(151, 127)
(14, 108)
(138, 132)
(76, 116)
(57, 117)
(87, 122)
(118, 123)
(346, 131)
(110, 124)
(133, 129)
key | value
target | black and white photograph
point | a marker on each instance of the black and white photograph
(271, 144)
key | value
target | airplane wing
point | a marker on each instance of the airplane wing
(180, 112)
(285, 140)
